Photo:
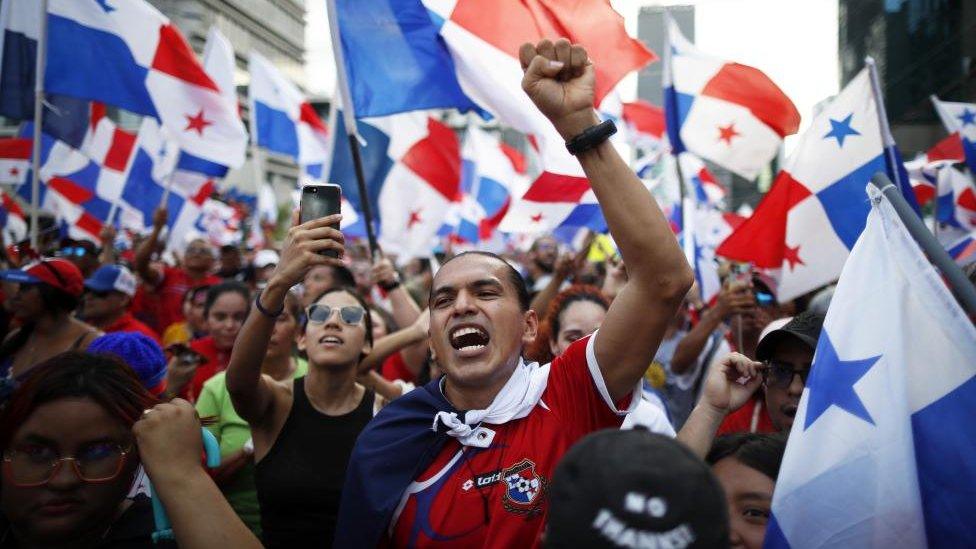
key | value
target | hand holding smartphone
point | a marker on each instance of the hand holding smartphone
(318, 201)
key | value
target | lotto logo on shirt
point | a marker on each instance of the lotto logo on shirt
(525, 488)
(482, 481)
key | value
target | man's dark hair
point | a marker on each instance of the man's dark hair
(521, 290)
(762, 452)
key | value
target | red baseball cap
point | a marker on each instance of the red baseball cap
(55, 272)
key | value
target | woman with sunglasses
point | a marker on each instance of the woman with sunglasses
(304, 431)
(72, 438)
(46, 294)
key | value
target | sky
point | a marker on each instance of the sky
(792, 41)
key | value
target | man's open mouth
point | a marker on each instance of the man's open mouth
(469, 338)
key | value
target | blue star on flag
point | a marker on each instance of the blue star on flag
(832, 382)
(104, 5)
(967, 117)
(840, 129)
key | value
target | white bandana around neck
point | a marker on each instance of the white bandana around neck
(516, 399)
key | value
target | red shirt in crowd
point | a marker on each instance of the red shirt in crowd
(751, 418)
(217, 361)
(128, 323)
(395, 368)
(171, 289)
(498, 496)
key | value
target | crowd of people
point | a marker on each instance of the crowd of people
(536, 397)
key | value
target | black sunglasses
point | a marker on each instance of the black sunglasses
(350, 314)
(780, 374)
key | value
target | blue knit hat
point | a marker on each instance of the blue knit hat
(140, 352)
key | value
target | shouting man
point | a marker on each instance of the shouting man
(481, 475)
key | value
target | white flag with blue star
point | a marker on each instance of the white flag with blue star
(883, 452)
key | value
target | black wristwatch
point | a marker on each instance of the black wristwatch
(390, 286)
(591, 137)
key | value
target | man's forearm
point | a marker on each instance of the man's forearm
(637, 224)
(144, 255)
(405, 310)
(690, 347)
(540, 303)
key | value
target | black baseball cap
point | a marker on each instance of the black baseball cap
(804, 327)
(635, 488)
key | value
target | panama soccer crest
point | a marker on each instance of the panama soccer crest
(524, 488)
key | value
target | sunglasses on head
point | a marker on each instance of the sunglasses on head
(780, 374)
(72, 251)
(349, 314)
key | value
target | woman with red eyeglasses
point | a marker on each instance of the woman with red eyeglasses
(42, 299)
(72, 439)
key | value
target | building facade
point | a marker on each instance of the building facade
(921, 47)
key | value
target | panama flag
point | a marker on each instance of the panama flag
(963, 250)
(729, 113)
(153, 169)
(960, 119)
(144, 65)
(805, 226)
(423, 184)
(645, 127)
(923, 169)
(218, 62)
(880, 454)
(394, 59)
(15, 154)
(72, 188)
(957, 199)
(284, 122)
(13, 222)
(484, 45)
(65, 118)
(490, 170)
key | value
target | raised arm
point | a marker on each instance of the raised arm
(168, 437)
(731, 300)
(728, 386)
(106, 256)
(405, 310)
(145, 250)
(252, 394)
(412, 335)
(560, 80)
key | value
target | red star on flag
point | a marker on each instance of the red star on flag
(727, 133)
(414, 218)
(14, 171)
(536, 218)
(792, 256)
(198, 123)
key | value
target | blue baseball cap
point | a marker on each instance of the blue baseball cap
(112, 278)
